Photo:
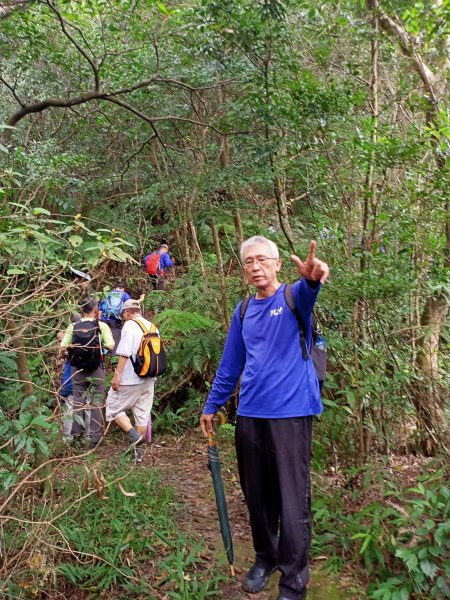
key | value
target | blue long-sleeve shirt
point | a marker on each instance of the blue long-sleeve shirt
(276, 381)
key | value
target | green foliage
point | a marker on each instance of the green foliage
(175, 322)
(190, 586)
(120, 527)
(107, 543)
(179, 420)
(403, 539)
(97, 184)
(25, 430)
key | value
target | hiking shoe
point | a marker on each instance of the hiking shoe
(302, 595)
(77, 442)
(138, 455)
(257, 578)
(135, 444)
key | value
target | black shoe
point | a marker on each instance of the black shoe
(77, 442)
(301, 596)
(257, 578)
(140, 440)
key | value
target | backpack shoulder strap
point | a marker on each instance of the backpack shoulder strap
(289, 298)
(141, 325)
(314, 327)
(99, 333)
(243, 309)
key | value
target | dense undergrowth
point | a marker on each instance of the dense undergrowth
(397, 537)
(385, 522)
(111, 533)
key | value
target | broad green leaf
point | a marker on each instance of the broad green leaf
(15, 271)
(75, 240)
(428, 568)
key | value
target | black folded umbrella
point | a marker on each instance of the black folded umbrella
(214, 466)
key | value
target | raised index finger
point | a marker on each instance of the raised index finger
(311, 251)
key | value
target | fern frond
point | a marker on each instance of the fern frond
(173, 321)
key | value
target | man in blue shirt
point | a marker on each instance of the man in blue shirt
(279, 394)
(156, 265)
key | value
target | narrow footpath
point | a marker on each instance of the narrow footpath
(182, 462)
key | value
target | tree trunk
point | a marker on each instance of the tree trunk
(359, 405)
(278, 187)
(238, 231)
(197, 247)
(283, 215)
(16, 340)
(223, 289)
(436, 308)
(370, 195)
(429, 395)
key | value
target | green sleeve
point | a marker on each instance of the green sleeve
(107, 336)
(68, 337)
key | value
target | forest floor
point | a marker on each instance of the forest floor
(179, 464)
(182, 463)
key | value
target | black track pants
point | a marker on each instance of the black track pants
(274, 468)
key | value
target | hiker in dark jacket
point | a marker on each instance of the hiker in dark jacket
(279, 394)
(156, 265)
(84, 342)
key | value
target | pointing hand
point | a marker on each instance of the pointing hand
(313, 268)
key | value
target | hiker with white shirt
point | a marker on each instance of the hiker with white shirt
(128, 390)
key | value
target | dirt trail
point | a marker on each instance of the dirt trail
(182, 462)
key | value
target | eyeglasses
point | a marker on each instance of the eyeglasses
(261, 260)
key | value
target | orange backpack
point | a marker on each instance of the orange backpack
(150, 359)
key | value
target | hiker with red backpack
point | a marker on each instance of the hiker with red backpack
(156, 265)
(84, 343)
(110, 309)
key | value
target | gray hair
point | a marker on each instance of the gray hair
(259, 239)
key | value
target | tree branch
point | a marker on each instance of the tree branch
(134, 154)
(110, 97)
(408, 48)
(75, 43)
(12, 90)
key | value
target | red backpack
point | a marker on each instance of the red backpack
(152, 263)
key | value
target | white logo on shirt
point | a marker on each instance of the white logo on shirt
(276, 311)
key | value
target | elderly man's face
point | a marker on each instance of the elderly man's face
(261, 269)
(131, 313)
(127, 315)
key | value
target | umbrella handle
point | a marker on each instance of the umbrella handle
(211, 439)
